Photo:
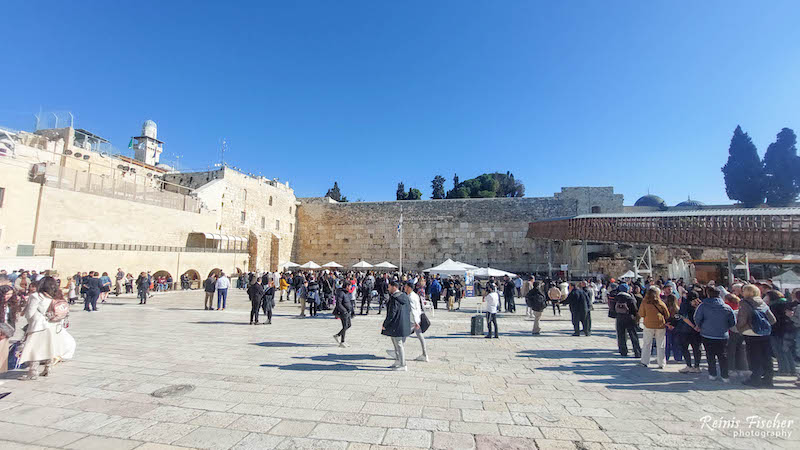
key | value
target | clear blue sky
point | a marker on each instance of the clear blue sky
(638, 95)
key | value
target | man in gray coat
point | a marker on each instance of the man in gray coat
(397, 323)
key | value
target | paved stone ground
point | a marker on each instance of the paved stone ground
(289, 386)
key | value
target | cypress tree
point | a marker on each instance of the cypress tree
(780, 170)
(744, 174)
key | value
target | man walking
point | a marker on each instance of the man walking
(209, 286)
(223, 284)
(416, 316)
(255, 292)
(578, 303)
(397, 323)
(343, 310)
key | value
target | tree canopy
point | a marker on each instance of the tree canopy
(781, 164)
(401, 191)
(335, 194)
(437, 184)
(488, 185)
(743, 172)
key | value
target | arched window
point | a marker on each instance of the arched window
(595, 210)
(270, 200)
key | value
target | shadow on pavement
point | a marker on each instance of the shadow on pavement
(220, 322)
(286, 344)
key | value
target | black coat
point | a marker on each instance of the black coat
(535, 300)
(578, 302)
(268, 298)
(343, 303)
(509, 289)
(255, 292)
(398, 316)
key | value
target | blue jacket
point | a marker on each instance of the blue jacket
(714, 318)
(435, 287)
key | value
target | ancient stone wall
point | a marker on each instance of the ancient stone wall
(483, 232)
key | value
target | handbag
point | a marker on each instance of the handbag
(424, 323)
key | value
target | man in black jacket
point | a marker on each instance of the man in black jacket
(625, 312)
(397, 323)
(92, 285)
(343, 309)
(256, 293)
(508, 292)
(209, 286)
(578, 303)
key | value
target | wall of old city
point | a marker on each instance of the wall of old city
(483, 232)
(263, 210)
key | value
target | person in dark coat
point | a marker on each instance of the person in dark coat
(268, 301)
(536, 302)
(397, 323)
(343, 310)
(142, 286)
(256, 293)
(625, 312)
(509, 290)
(578, 303)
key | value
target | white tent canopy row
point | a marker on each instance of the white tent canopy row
(386, 265)
(332, 265)
(449, 267)
(486, 272)
(289, 265)
(629, 274)
(362, 265)
(311, 265)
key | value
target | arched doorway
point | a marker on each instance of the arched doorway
(192, 280)
(214, 272)
(162, 281)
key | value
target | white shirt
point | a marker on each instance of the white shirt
(416, 308)
(223, 283)
(492, 301)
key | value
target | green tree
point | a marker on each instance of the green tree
(743, 172)
(413, 194)
(782, 181)
(438, 187)
(335, 194)
(489, 185)
(455, 181)
(401, 191)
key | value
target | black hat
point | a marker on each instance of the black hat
(410, 284)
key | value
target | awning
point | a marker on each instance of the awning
(221, 237)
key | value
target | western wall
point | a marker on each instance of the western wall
(484, 232)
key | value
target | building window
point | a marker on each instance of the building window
(244, 216)
(263, 222)
(290, 228)
(278, 225)
(2, 196)
(290, 210)
(595, 210)
(270, 200)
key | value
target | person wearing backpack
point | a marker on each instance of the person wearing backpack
(534, 297)
(754, 322)
(626, 317)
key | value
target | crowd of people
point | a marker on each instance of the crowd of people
(744, 330)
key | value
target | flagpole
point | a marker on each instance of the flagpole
(401, 240)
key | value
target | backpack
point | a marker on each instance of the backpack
(58, 310)
(621, 306)
(759, 322)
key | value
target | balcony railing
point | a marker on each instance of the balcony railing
(73, 245)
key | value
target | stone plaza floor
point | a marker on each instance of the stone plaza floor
(288, 385)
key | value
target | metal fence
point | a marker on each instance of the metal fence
(92, 183)
(73, 245)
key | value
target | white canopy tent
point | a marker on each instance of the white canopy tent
(386, 265)
(449, 267)
(311, 265)
(486, 272)
(362, 265)
(629, 274)
(787, 280)
(467, 266)
(332, 265)
(289, 265)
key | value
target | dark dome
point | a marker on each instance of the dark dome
(691, 203)
(652, 201)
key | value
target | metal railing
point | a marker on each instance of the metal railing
(92, 183)
(74, 245)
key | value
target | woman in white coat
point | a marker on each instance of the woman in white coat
(45, 341)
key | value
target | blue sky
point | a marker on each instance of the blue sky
(638, 95)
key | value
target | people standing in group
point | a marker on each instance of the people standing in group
(686, 333)
(509, 290)
(737, 358)
(397, 323)
(626, 316)
(782, 336)
(222, 285)
(534, 298)
(255, 293)
(344, 311)
(713, 318)
(754, 321)
(92, 286)
(415, 304)
(654, 315)
(579, 306)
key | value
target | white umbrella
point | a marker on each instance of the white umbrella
(311, 265)
(386, 265)
(449, 267)
(332, 264)
(362, 265)
(289, 265)
(485, 272)
(629, 274)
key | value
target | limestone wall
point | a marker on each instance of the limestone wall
(477, 231)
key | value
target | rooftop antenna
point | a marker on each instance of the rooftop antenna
(223, 148)
(178, 162)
